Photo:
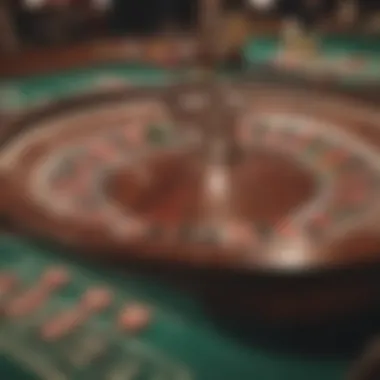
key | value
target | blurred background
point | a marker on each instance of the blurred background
(46, 22)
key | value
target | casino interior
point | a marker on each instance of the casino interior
(190, 190)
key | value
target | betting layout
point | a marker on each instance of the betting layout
(62, 322)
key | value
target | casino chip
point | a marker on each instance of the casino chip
(134, 318)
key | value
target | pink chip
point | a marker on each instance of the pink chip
(55, 277)
(62, 324)
(39, 294)
(134, 318)
(97, 298)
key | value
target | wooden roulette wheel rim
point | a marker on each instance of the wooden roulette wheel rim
(303, 184)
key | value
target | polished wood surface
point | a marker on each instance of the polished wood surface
(157, 51)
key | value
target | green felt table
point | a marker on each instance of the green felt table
(181, 330)
(264, 50)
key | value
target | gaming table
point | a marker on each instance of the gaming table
(182, 341)
(343, 60)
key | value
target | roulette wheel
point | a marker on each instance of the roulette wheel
(237, 181)
(278, 183)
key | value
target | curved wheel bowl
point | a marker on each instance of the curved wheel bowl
(272, 192)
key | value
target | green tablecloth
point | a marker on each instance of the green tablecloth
(181, 331)
(264, 50)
